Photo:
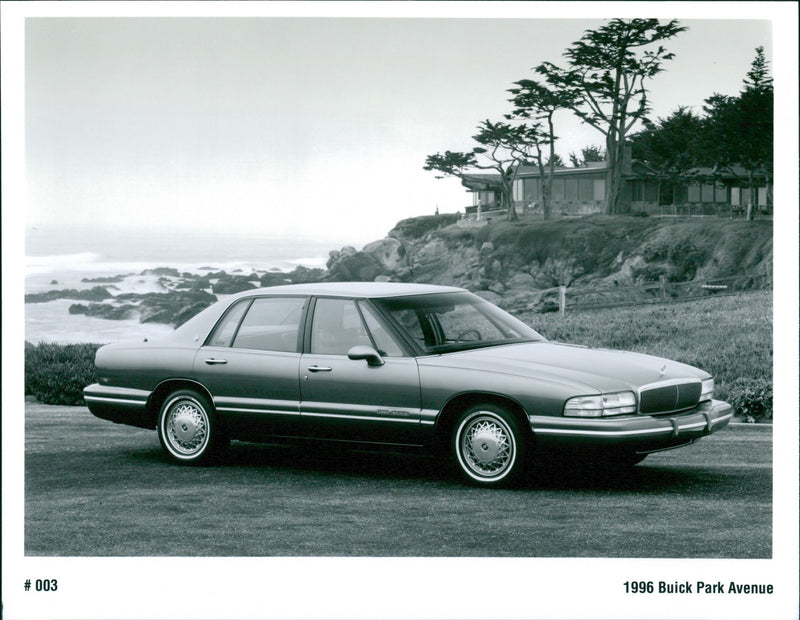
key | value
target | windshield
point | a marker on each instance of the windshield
(445, 322)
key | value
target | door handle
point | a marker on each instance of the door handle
(319, 368)
(212, 361)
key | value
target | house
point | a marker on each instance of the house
(726, 190)
(582, 190)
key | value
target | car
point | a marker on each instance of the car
(426, 367)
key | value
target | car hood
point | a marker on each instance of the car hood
(602, 370)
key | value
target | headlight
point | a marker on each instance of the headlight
(707, 391)
(602, 405)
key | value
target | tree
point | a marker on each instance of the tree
(501, 148)
(537, 102)
(592, 153)
(739, 130)
(671, 147)
(605, 78)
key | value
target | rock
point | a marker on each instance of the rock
(389, 252)
(168, 307)
(105, 311)
(161, 271)
(489, 296)
(303, 275)
(431, 261)
(496, 287)
(229, 285)
(96, 293)
(355, 267)
(523, 281)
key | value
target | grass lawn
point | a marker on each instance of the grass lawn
(729, 337)
(93, 488)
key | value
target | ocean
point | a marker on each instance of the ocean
(55, 260)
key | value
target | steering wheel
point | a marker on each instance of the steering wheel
(467, 332)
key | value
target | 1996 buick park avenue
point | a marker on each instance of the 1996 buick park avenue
(422, 366)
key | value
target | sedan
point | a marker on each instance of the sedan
(405, 365)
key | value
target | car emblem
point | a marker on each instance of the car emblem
(663, 370)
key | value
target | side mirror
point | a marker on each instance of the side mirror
(363, 352)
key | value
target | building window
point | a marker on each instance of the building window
(531, 190)
(599, 189)
(735, 198)
(707, 193)
(571, 189)
(650, 191)
(584, 189)
(720, 193)
(516, 190)
(693, 192)
(558, 189)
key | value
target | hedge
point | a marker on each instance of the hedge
(55, 374)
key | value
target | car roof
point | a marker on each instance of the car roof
(353, 289)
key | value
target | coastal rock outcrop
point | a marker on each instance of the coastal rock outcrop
(520, 265)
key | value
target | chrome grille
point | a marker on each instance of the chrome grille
(669, 398)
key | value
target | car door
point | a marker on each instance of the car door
(250, 365)
(348, 399)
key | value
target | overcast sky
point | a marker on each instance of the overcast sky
(311, 128)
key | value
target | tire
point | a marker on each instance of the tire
(187, 428)
(488, 446)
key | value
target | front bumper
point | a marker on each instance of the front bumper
(640, 433)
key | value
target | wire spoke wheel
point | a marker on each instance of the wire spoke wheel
(487, 446)
(186, 427)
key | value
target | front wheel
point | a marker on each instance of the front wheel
(187, 429)
(488, 446)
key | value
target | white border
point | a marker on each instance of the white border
(388, 587)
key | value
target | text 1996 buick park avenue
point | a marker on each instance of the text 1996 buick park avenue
(432, 367)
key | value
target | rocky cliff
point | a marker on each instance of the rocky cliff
(508, 261)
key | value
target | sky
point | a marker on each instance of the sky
(305, 128)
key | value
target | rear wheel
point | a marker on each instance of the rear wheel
(187, 428)
(488, 446)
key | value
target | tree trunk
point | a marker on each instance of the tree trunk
(547, 203)
(753, 197)
(612, 191)
(508, 198)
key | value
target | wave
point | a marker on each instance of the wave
(61, 262)
(94, 264)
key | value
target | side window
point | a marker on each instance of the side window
(387, 346)
(271, 324)
(337, 327)
(223, 333)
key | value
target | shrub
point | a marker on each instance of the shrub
(416, 227)
(648, 273)
(751, 399)
(56, 374)
(687, 259)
